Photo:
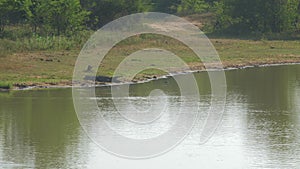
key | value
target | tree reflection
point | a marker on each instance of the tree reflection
(272, 125)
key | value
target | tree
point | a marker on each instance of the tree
(223, 15)
(104, 11)
(192, 6)
(167, 6)
(56, 17)
(297, 22)
(10, 12)
(258, 16)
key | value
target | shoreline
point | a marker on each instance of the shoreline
(54, 69)
(226, 67)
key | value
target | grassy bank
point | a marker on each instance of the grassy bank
(18, 39)
(54, 66)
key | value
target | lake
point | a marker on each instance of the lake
(260, 127)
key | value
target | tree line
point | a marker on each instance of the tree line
(66, 17)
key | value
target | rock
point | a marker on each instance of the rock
(101, 78)
(49, 60)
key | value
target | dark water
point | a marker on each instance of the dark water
(260, 126)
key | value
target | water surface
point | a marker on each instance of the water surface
(260, 126)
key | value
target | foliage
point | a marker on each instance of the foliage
(104, 11)
(192, 6)
(167, 6)
(257, 16)
(57, 17)
(10, 13)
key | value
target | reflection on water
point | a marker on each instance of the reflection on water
(272, 117)
(260, 127)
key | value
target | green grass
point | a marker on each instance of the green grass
(245, 52)
(30, 59)
(136, 43)
(44, 62)
(233, 52)
(16, 40)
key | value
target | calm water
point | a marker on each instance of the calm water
(260, 127)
